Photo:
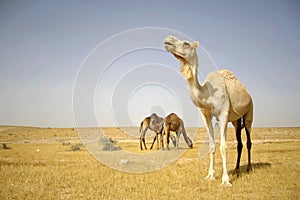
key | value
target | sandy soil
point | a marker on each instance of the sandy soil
(41, 163)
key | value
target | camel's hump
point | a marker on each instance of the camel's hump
(230, 77)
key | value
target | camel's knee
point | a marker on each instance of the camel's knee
(249, 144)
(168, 138)
(141, 140)
(248, 125)
(212, 149)
(223, 149)
(240, 146)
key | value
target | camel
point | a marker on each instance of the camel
(221, 96)
(174, 123)
(154, 123)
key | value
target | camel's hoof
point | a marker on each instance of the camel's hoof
(226, 184)
(249, 168)
(236, 172)
(210, 178)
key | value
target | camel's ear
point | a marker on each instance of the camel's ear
(195, 44)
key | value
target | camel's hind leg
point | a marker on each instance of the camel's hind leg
(142, 141)
(248, 123)
(238, 131)
(249, 145)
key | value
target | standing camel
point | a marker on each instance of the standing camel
(154, 123)
(174, 123)
(221, 96)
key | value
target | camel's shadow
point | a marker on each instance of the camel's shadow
(173, 149)
(243, 169)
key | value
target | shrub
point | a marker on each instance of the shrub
(75, 147)
(4, 146)
(109, 144)
(65, 143)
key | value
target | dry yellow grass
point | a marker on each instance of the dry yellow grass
(38, 166)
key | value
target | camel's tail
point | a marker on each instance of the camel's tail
(242, 123)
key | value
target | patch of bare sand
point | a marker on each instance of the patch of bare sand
(131, 162)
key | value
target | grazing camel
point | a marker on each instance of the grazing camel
(154, 123)
(174, 123)
(222, 96)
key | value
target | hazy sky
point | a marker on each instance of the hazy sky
(45, 46)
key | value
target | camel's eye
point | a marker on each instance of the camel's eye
(186, 44)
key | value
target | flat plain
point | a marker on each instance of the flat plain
(52, 163)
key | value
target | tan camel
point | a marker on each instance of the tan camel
(221, 96)
(154, 123)
(174, 123)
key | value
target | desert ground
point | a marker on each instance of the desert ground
(63, 163)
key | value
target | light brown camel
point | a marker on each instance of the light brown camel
(174, 123)
(221, 96)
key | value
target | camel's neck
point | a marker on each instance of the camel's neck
(198, 93)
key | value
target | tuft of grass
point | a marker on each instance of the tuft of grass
(65, 143)
(4, 146)
(109, 144)
(76, 147)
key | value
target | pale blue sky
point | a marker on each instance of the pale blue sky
(44, 43)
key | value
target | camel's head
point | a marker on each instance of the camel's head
(190, 143)
(185, 52)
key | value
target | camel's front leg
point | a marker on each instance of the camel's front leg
(212, 147)
(237, 126)
(223, 150)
